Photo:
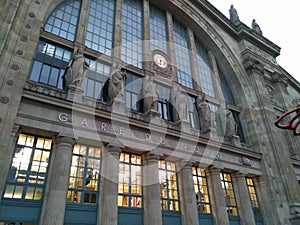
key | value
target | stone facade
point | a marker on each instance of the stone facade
(262, 91)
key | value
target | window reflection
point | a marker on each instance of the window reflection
(27, 174)
(253, 197)
(201, 190)
(130, 181)
(84, 175)
(168, 185)
(229, 194)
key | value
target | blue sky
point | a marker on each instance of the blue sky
(278, 21)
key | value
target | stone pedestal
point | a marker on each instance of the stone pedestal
(189, 214)
(74, 94)
(184, 126)
(53, 210)
(217, 201)
(243, 199)
(237, 141)
(117, 106)
(153, 116)
(108, 199)
(152, 205)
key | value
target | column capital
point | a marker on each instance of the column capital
(151, 158)
(113, 149)
(239, 175)
(214, 170)
(65, 140)
(183, 164)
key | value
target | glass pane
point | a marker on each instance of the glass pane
(182, 55)
(59, 22)
(18, 192)
(9, 191)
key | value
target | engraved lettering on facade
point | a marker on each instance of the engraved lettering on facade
(84, 123)
(63, 117)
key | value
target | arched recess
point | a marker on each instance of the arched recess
(236, 76)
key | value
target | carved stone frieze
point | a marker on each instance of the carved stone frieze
(46, 90)
(248, 47)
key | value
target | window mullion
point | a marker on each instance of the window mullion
(82, 23)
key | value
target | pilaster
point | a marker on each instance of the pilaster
(57, 187)
(243, 199)
(108, 198)
(152, 205)
(217, 201)
(189, 214)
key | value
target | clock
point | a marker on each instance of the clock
(160, 60)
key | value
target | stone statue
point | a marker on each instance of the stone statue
(234, 18)
(255, 27)
(205, 115)
(116, 85)
(76, 70)
(231, 126)
(150, 95)
(180, 103)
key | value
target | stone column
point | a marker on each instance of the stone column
(152, 205)
(265, 201)
(188, 204)
(54, 205)
(243, 199)
(108, 199)
(217, 197)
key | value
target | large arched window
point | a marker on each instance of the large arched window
(114, 31)
(64, 19)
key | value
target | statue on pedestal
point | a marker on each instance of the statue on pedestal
(180, 103)
(234, 18)
(150, 95)
(231, 126)
(256, 28)
(205, 115)
(76, 70)
(116, 85)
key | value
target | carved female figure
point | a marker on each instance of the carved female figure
(76, 70)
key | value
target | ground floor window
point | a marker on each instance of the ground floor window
(85, 175)
(201, 190)
(229, 194)
(26, 177)
(130, 181)
(253, 197)
(168, 185)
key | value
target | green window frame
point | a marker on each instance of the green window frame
(130, 187)
(168, 186)
(229, 194)
(27, 175)
(84, 180)
(253, 197)
(201, 190)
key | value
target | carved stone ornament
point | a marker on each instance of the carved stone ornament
(279, 78)
(252, 64)
(76, 70)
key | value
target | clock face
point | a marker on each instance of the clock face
(160, 60)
